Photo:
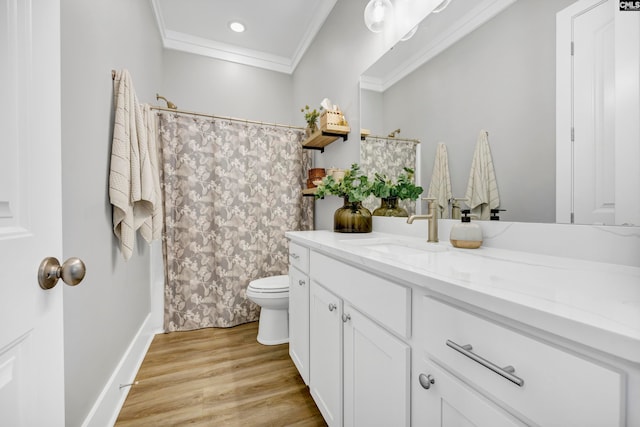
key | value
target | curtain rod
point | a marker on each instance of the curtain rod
(389, 138)
(211, 116)
(235, 119)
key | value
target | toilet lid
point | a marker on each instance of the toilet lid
(270, 284)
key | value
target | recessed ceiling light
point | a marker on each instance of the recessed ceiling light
(236, 26)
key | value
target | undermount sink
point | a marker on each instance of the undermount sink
(397, 247)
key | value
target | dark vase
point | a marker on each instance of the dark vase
(352, 217)
(389, 207)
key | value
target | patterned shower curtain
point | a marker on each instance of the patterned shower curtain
(388, 157)
(231, 190)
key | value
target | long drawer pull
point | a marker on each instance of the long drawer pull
(294, 255)
(506, 372)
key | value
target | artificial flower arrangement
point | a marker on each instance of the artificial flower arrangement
(354, 187)
(311, 117)
(389, 193)
(403, 189)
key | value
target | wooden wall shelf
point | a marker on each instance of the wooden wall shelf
(310, 192)
(323, 137)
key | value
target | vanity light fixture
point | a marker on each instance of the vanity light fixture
(377, 14)
(410, 34)
(236, 26)
(442, 6)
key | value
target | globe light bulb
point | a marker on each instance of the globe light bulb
(377, 14)
(410, 34)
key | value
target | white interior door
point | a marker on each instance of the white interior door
(31, 335)
(594, 115)
(597, 109)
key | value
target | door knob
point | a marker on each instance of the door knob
(426, 381)
(71, 272)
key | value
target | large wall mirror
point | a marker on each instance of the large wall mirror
(489, 65)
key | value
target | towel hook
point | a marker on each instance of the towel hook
(170, 104)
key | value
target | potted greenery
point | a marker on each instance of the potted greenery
(354, 187)
(311, 117)
(390, 193)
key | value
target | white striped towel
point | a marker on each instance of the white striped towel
(151, 228)
(131, 190)
(482, 188)
(440, 186)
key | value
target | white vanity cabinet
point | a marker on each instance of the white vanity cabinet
(359, 371)
(299, 308)
(443, 400)
(538, 383)
(376, 374)
(325, 330)
(427, 348)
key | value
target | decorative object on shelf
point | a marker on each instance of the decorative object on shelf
(337, 174)
(311, 117)
(315, 177)
(333, 125)
(332, 118)
(354, 187)
(333, 121)
(352, 217)
(389, 207)
(390, 192)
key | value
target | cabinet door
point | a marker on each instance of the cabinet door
(450, 403)
(325, 358)
(376, 374)
(299, 321)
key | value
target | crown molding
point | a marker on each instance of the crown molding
(228, 52)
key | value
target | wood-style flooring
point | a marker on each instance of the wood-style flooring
(218, 377)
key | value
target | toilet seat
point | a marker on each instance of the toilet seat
(270, 285)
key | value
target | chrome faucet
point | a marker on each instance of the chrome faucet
(432, 216)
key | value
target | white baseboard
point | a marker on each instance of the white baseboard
(107, 407)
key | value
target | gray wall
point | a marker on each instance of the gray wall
(202, 84)
(102, 315)
(500, 78)
(331, 68)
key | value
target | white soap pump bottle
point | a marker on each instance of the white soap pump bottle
(465, 234)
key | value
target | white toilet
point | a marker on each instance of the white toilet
(272, 295)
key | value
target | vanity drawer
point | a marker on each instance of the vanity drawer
(299, 257)
(381, 300)
(558, 388)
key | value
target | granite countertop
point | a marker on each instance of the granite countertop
(596, 304)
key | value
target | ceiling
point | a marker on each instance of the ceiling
(434, 34)
(278, 32)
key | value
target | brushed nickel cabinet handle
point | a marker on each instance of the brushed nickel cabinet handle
(332, 306)
(506, 372)
(294, 255)
(301, 282)
(346, 317)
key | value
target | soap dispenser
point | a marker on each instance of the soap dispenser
(465, 234)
